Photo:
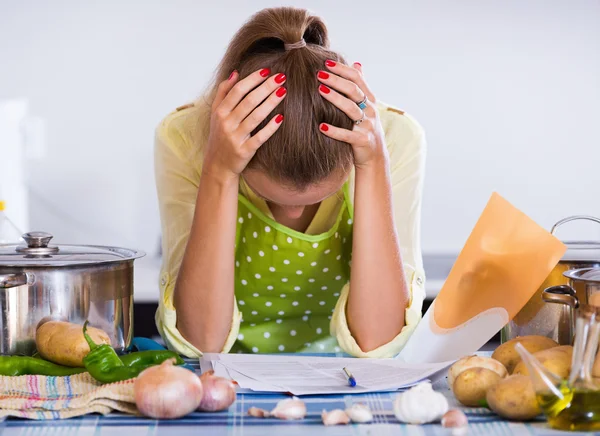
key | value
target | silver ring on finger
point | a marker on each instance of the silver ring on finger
(362, 104)
(357, 122)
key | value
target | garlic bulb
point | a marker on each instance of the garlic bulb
(359, 413)
(420, 405)
(219, 393)
(166, 391)
(335, 417)
(291, 408)
(258, 413)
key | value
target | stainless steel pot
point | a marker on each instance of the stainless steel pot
(540, 316)
(567, 296)
(73, 283)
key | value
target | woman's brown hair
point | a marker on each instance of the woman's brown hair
(298, 154)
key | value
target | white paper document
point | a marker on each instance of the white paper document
(308, 375)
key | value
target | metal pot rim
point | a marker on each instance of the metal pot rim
(51, 261)
(575, 274)
(585, 251)
(36, 252)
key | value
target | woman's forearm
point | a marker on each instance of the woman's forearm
(378, 291)
(204, 293)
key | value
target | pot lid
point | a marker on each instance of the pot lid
(36, 252)
(590, 275)
(580, 251)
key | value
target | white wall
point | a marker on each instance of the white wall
(508, 93)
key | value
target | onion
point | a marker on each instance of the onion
(219, 393)
(166, 391)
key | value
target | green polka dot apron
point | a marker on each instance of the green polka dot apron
(287, 283)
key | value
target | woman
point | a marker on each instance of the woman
(270, 184)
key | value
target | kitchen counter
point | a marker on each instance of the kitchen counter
(236, 422)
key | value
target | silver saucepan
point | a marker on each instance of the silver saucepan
(73, 283)
(567, 297)
(556, 321)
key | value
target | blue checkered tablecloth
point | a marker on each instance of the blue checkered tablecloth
(236, 422)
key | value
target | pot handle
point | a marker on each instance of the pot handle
(561, 294)
(12, 280)
(574, 218)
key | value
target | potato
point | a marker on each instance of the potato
(514, 398)
(63, 342)
(508, 356)
(557, 360)
(474, 362)
(471, 385)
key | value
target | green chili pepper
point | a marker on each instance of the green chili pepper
(26, 365)
(150, 357)
(103, 363)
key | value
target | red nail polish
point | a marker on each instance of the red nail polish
(279, 119)
(281, 92)
(323, 75)
(358, 63)
(324, 89)
(280, 78)
(231, 75)
(324, 127)
(265, 72)
(330, 63)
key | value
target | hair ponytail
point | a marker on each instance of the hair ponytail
(298, 153)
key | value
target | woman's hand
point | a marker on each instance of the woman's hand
(239, 107)
(345, 87)
(378, 291)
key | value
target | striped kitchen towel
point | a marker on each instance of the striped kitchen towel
(41, 397)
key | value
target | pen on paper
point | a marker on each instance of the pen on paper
(350, 377)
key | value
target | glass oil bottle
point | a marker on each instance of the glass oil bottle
(573, 404)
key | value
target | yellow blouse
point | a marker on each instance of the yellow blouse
(178, 162)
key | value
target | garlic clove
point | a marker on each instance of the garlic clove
(258, 413)
(460, 431)
(359, 413)
(457, 421)
(420, 405)
(291, 408)
(335, 417)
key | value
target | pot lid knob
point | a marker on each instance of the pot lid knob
(37, 239)
(37, 244)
